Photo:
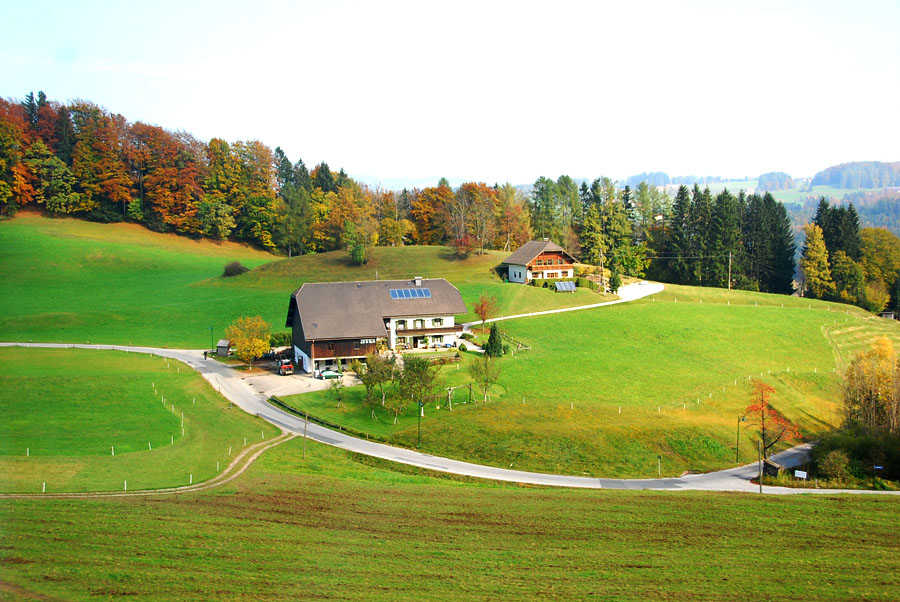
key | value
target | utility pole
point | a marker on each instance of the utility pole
(759, 453)
(729, 270)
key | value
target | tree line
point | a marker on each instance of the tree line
(79, 159)
(842, 262)
(860, 174)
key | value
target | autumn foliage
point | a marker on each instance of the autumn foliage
(82, 160)
(249, 337)
(773, 427)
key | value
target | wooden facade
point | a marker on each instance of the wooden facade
(340, 348)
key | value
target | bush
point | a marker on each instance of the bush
(468, 336)
(235, 268)
(834, 465)
(280, 339)
(506, 349)
(462, 347)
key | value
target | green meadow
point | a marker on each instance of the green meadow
(604, 391)
(73, 281)
(340, 527)
(85, 420)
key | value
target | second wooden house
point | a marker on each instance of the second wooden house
(539, 259)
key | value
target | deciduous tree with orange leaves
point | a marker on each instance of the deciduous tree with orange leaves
(773, 427)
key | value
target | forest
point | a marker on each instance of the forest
(841, 262)
(860, 174)
(79, 159)
(775, 180)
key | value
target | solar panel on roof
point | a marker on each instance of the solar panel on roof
(410, 293)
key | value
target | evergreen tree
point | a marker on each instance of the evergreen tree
(494, 347)
(784, 247)
(324, 180)
(679, 247)
(593, 241)
(851, 239)
(65, 136)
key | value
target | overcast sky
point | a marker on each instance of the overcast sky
(412, 91)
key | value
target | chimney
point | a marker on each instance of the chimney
(418, 281)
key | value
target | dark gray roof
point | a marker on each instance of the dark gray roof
(531, 249)
(345, 310)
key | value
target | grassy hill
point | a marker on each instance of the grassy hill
(603, 391)
(75, 281)
(66, 411)
(334, 526)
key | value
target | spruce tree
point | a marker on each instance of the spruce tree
(679, 243)
(494, 347)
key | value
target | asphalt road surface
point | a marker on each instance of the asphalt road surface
(232, 386)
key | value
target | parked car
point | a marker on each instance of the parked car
(329, 374)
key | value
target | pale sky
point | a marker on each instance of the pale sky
(411, 91)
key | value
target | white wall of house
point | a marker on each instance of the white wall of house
(301, 360)
(417, 322)
(561, 274)
(518, 273)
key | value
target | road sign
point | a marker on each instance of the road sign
(879, 467)
(800, 474)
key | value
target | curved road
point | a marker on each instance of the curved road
(230, 384)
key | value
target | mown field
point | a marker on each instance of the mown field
(73, 281)
(84, 420)
(332, 526)
(604, 391)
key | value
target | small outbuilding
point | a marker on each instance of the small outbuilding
(223, 347)
(539, 259)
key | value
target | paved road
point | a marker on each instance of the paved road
(627, 293)
(233, 386)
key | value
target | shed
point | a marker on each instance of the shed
(223, 347)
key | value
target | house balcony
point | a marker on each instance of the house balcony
(552, 268)
(427, 332)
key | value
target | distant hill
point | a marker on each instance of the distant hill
(860, 174)
(775, 180)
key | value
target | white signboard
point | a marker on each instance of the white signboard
(800, 474)
(367, 341)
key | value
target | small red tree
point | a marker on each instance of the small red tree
(484, 308)
(773, 427)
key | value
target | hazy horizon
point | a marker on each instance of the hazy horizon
(494, 92)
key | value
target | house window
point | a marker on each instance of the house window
(420, 324)
(401, 324)
(438, 339)
(355, 345)
(552, 275)
(330, 346)
(437, 322)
